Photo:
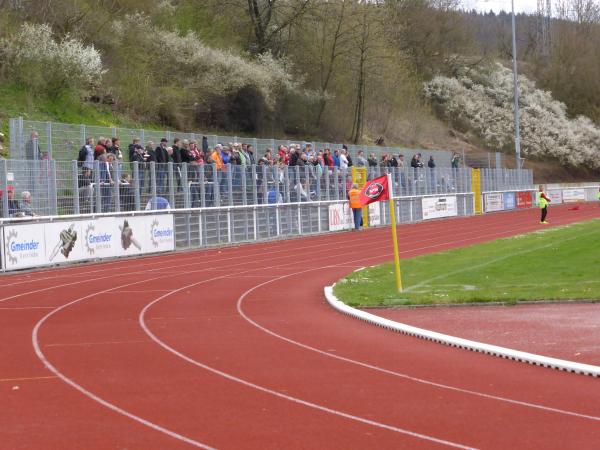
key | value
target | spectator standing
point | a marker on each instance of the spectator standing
(343, 160)
(455, 160)
(372, 160)
(32, 148)
(115, 149)
(336, 159)
(86, 154)
(354, 199)
(431, 163)
(360, 159)
(126, 193)
(100, 148)
(162, 158)
(135, 144)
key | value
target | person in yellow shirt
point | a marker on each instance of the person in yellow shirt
(355, 205)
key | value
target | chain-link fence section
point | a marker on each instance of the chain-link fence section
(36, 140)
(49, 187)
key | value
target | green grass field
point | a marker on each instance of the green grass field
(560, 263)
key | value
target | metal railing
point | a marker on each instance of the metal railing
(70, 187)
(60, 141)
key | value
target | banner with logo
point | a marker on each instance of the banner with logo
(375, 190)
(99, 238)
(494, 202)
(524, 200)
(509, 200)
(63, 241)
(340, 217)
(32, 245)
(374, 214)
(555, 195)
(573, 195)
(436, 207)
(24, 246)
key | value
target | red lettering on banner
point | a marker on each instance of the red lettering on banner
(524, 200)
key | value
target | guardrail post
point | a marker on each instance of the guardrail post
(98, 190)
(255, 185)
(216, 185)
(75, 187)
(51, 165)
(186, 188)
(244, 184)
(171, 180)
(336, 183)
(202, 186)
(286, 184)
(114, 165)
(230, 184)
(49, 141)
(82, 135)
(153, 187)
(136, 185)
(3, 186)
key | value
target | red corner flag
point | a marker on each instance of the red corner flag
(375, 190)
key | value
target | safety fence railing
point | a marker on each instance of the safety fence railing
(51, 187)
(41, 241)
(60, 141)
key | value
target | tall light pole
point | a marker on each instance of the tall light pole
(516, 90)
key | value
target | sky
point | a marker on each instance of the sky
(528, 6)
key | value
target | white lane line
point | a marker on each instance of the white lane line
(91, 395)
(277, 393)
(11, 380)
(27, 307)
(367, 242)
(89, 344)
(49, 366)
(398, 374)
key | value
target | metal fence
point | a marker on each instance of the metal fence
(71, 187)
(60, 141)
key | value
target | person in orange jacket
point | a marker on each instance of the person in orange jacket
(355, 205)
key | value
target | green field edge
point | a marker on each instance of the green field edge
(386, 303)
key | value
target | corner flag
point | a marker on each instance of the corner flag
(375, 190)
(378, 189)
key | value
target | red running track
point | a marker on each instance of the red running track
(236, 348)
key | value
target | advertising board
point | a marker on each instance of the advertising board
(494, 202)
(524, 199)
(555, 195)
(340, 217)
(573, 195)
(509, 200)
(436, 207)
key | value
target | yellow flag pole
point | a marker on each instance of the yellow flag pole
(394, 236)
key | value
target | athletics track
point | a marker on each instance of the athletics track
(236, 348)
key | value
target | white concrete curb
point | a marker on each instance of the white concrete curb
(502, 352)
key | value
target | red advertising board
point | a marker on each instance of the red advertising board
(524, 199)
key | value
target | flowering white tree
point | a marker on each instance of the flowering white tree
(483, 101)
(208, 70)
(38, 59)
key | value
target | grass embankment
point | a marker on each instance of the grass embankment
(16, 101)
(550, 264)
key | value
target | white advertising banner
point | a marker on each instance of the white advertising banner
(436, 207)
(64, 241)
(32, 245)
(132, 233)
(573, 195)
(99, 238)
(374, 214)
(24, 246)
(340, 217)
(555, 195)
(494, 202)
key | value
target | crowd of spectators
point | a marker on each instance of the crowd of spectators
(225, 157)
